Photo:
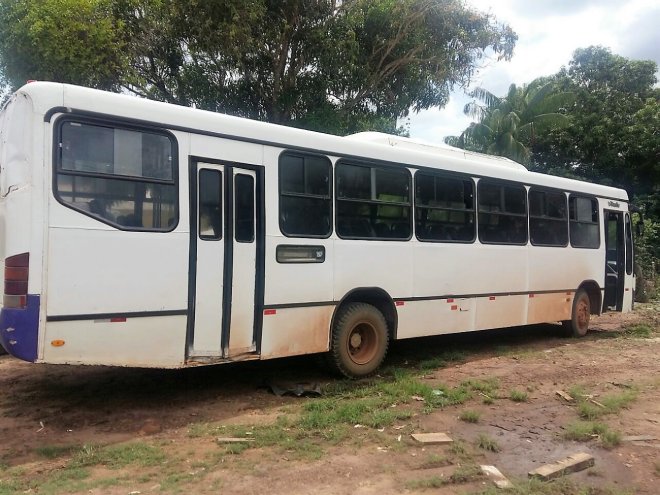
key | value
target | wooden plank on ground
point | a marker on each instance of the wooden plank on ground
(639, 438)
(233, 440)
(572, 464)
(564, 395)
(432, 438)
(498, 478)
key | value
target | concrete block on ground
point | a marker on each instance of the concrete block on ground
(432, 438)
(572, 464)
(496, 476)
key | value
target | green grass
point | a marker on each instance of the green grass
(560, 486)
(470, 416)
(462, 474)
(607, 404)
(55, 451)
(487, 443)
(518, 396)
(639, 331)
(584, 431)
(118, 456)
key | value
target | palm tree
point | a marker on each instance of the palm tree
(509, 126)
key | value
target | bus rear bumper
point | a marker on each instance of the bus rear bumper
(19, 329)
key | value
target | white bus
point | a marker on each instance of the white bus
(138, 233)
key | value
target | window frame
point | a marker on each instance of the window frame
(206, 237)
(546, 190)
(597, 222)
(280, 194)
(503, 183)
(442, 174)
(114, 123)
(382, 166)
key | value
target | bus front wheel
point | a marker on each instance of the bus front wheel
(359, 340)
(578, 325)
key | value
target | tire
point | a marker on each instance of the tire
(578, 325)
(359, 340)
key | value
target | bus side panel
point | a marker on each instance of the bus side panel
(146, 342)
(387, 265)
(296, 331)
(435, 317)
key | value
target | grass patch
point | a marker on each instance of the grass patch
(583, 431)
(435, 461)
(462, 474)
(487, 443)
(591, 409)
(118, 456)
(639, 331)
(518, 396)
(470, 416)
(560, 486)
(55, 451)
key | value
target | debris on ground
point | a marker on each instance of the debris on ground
(571, 464)
(564, 395)
(234, 440)
(498, 478)
(297, 389)
(432, 438)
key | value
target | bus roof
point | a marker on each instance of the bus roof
(48, 98)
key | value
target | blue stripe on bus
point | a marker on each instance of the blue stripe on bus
(19, 329)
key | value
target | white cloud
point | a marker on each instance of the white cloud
(549, 32)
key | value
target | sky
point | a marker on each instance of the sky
(548, 33)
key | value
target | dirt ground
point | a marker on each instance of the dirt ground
(49, 414)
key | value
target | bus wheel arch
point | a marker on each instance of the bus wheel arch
(363, 324)
(586, 301)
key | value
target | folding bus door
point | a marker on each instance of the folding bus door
(615, 269)
(225, 241)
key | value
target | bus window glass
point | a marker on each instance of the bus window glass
(108, 150)
(244, 208)
(121, 177)
(502, 213)
(548, 223)
(584, 227)
(305, 198)
(373, 202)
(444, 208)
(210, 205)
(629, 246)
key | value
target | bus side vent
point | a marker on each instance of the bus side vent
(16, 281)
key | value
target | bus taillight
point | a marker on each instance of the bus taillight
(16, 281)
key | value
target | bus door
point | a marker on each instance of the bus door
(615, 264)
(223, 261)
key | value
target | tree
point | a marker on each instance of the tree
(509, 126)
(614, 136)
(73, 41)
(323, 64)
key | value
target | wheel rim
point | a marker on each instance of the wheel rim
(582, 313)
(362, 343)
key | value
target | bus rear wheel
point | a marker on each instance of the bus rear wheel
(578, 325)
(359, 340)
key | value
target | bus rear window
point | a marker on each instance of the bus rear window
(123, 177)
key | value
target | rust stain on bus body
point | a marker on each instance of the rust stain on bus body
(546, 308)
(296, 331)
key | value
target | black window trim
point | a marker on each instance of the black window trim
(303, 154)
(597, 222)
(566, 220)
(200, 236)
(510, 183)
(448, 175)
(121, 124)
(381, 165)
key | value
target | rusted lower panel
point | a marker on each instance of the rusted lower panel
(546, 308)
(296, 331)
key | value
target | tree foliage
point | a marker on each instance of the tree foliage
(324, 64)
(509, 126)
(61, 40)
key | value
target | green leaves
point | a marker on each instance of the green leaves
(321, 64)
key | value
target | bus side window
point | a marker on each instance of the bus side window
(210, 204)
(584, 226)
(502, 213)
(305, 195)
